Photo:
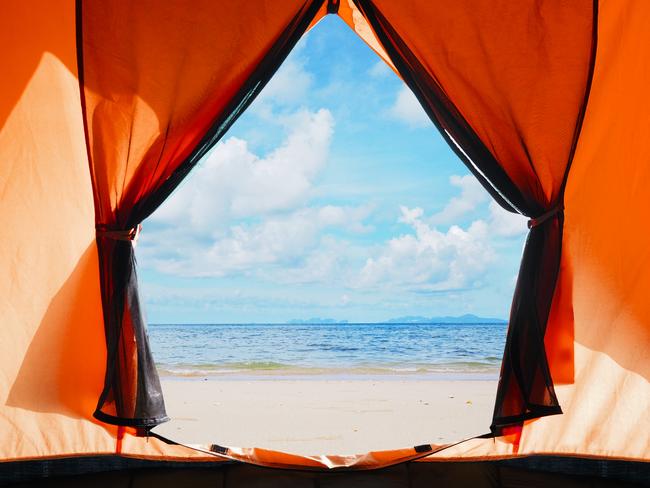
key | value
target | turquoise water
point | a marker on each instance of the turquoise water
(327, 349)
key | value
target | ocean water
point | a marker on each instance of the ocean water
(327, 349)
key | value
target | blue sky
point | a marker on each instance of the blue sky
(333, 196)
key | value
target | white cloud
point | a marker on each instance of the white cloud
(235, 183)
(245, 214)
(506, 224)
(407, 109)
(293, 242)
(324, 263)
(430, 260)
(471, 195)
(290, 85)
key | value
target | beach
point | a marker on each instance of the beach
(315, 415)
(327, 388)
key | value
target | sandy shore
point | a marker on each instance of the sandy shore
(321, 416)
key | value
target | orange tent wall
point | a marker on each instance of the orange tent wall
(605, 274)
(52, 353)
(607, 249)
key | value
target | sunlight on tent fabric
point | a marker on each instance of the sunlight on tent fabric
(52, 360)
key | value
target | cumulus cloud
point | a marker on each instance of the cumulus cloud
(428, 259)
(291, 241)
(472, 194)
(471, 199)
(233, 182)
(241, 212)
(506, 224)
(290, 85)
(408, 110)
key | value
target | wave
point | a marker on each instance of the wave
(281, 369)
(203, 368)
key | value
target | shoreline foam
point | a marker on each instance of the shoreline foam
(279, 369)
(330, 376)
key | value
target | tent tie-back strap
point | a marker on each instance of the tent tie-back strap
(545, 216)
(120, 235)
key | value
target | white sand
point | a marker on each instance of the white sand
(322, 416)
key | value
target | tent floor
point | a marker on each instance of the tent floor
(113, 472)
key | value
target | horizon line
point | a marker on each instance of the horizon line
(342, 322)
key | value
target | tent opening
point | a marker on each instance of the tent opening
(107, 106)
(329, 278)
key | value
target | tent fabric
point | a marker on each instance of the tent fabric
(161, 83)
(53, 347)
(514, 129)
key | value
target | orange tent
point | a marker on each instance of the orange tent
(106, 106)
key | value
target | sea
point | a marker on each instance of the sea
(390, 350)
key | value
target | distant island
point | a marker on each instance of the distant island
(411, 319)
(462, 319)
(316, 320)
